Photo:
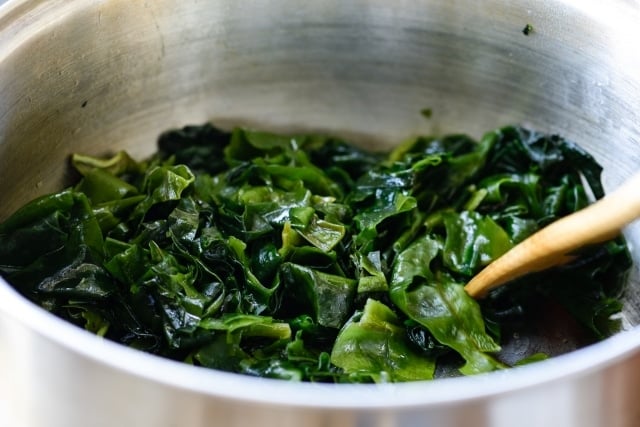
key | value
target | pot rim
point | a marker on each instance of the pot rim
(213, 383)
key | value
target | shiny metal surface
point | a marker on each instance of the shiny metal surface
(97, 76)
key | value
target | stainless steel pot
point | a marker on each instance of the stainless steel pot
(96, 76)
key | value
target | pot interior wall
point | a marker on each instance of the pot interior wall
(97, 77)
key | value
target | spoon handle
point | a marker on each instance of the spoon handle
(553, 244)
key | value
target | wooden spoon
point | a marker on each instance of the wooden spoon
(554, 244)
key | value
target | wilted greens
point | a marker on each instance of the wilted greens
(307, 258)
